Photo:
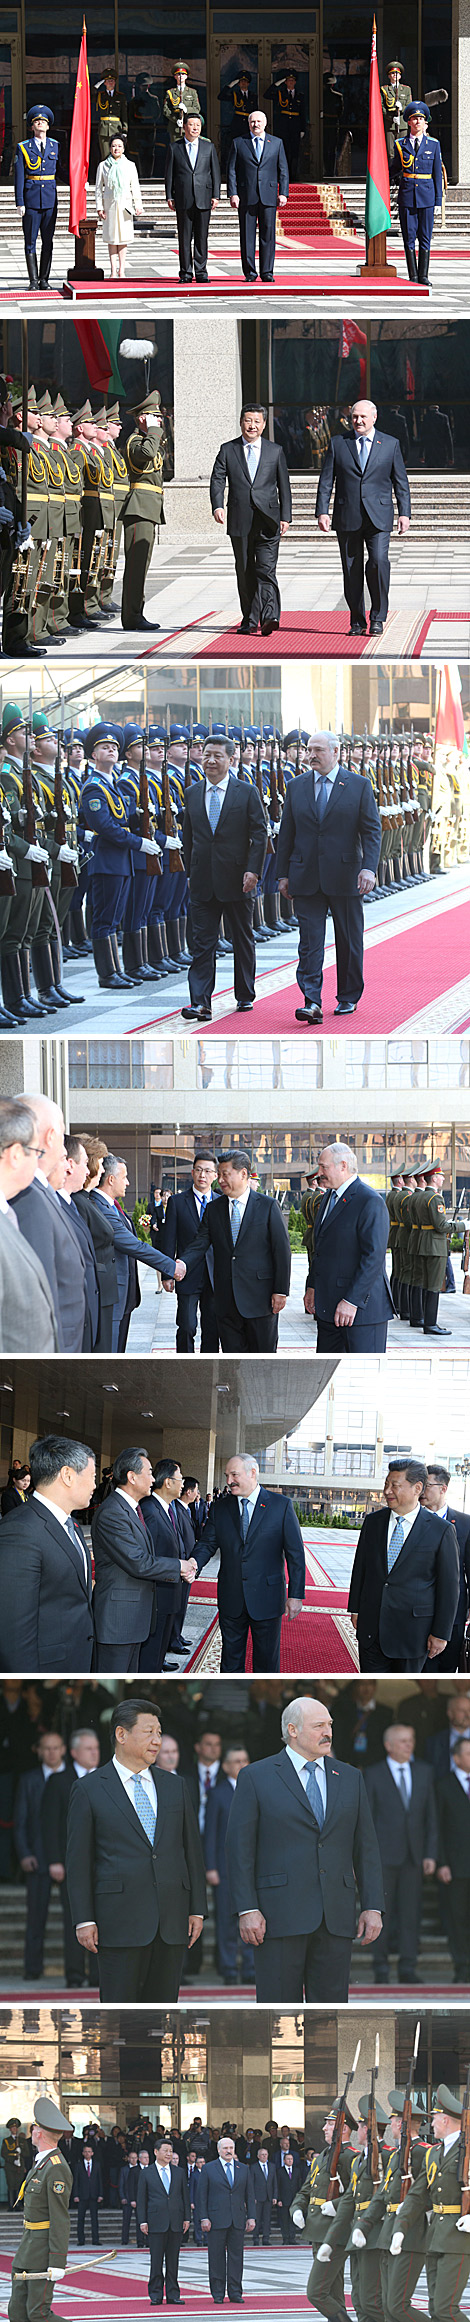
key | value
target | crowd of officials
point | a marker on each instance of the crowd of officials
(107, 2168)
(415, 1757)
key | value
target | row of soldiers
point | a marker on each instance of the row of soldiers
(399, 2203)
(419, 1241)
(90, 485)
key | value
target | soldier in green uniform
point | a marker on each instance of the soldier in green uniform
(111, 110)
(402, 1250)
(312, 2205)
(143, 509)
(30, 905)
(391, 1198)
(179, 100)
(309, 1204)
(45, 2238)
(395, 94)
(120, 485)
(23, 623)
(432, 1247)
(97, 512)
(63, 854)
(71, 463)
(352, 2209)
(13, 2156)
(437, 2192)
(52, 591)
(398, 2276)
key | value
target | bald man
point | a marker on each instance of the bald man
(301, 1851)
(257, 184)
(366, 469)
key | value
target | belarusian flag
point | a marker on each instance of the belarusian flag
(378, 182)
(99, 344)
(450, 730)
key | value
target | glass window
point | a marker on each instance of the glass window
(148, 50)
(287, 2071)
(270, 1064)
(420, 381)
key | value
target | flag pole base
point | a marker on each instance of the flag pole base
(376, 260)
(85, 269)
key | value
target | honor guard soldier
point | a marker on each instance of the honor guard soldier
(143, 508)
(97, 513)
(392, 1203)
(395, 94)
(312, 2202)
(63, 853)
(120, 486)
(71, 459)
(354, 2206)
(41, 2255)
(23, 624)
(289, 117)
(115, 850)
(432, 1247)
(52, 593)
(179, 100)
(36, 192)
(31, 920)
(398, 2276)
(437, 2193)
(111, 111)
(241, 95)
(418, 167)
(142, 892)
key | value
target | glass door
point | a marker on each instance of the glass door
(11, 113)
(266, 60)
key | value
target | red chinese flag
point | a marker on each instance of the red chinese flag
(80, 141)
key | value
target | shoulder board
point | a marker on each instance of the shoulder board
(113, 799)
(47, 789)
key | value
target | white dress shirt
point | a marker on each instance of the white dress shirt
(368, 440)
(302, 1767)
(397, 1773)
(192, 149)
(200, 1197)
(128, 1778)
(220, 788)
(254, 450)
(463, 1778)
(241, 1200)
(62, 1519)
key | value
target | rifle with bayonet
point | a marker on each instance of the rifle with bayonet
(68, 875)
(334, 2183)
(170, 825)
(373, 2155)
(152, 862)
(38, 870)
(405, 2139)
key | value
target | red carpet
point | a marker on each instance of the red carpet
(110, 2290)
(313, 1642)
(402, 975)
(312, 635)
(303, 284)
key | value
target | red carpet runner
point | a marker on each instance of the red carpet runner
(110, 2293)
(315, 635)
(401, 976)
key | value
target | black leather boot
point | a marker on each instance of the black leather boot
(75, 999)
(123, 978)
(104, 964)
(43, 973)
(32, 265)
(34, 1006)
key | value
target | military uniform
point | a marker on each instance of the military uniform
(45, 2238)
(398, 2275)
(311, 2200)
(289, 120)
(393, 108)
(97, 526)
(120, 488)
(392, 1200)
(142, 510)
(23, 619)
(143, 892)
(111, 114)
(36, 195)
(437, 2192)
(418, 169)
(44, 775)
(31, 914)
(112, 865)
(176, 102)
(353, 2208)
(431, 1255)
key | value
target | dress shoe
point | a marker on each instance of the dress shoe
(358, 629)
(244, 1007)
(180, 1645)
(313, 1015)
(268, 628)
(170, 1668)
(376, 627)
(197, 1015)
(345, 1008)
(437, 1331)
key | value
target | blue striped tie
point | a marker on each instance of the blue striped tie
(143, 1805)
(314, 1795)
(395, 1544)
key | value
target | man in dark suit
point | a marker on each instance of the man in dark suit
(224, 2206)
(128, 2187)
(192, 187)
(453, 1801)
(436, 1497)
(327, 856)
(252, 1260)
(30, 1849)
(169, 1538)
(215, 1833)
(87, 2192)
(259, 512)
(359, 1722)
(257, 182)
(135, 1868)
(45, 1223)
(405, 1578)
(401, 1795)
(300, 1838)
(107, 1197)
(262, 2193)
(128, 1566)
(366, 468)
(76, 1170)
(164, 2216)
(439, 1747)
(45, 1564)
(224, 846)
(290, 2175)
(256, 1533)
(83, 1757)
(347, 1283)
(182, 1216)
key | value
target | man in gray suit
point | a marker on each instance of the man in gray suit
(27, 1313)
(127, 1566)
(43, 1220)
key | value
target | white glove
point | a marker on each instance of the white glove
(150, 847)
(172, 842)
(5, 860)
(328, 2209)
(275, 826)
(463, 2225)
(324, 2253)
(358, 2239)
(396, 2244)
(55, 2273)
(89, 835)
(66, 854)
(298, 2217)
(36, 854)
(20, 210)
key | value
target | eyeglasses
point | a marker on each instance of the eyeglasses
(38, 1149)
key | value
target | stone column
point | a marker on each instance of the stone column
(461, 92)
(208, 394)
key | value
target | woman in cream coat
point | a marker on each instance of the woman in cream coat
(118, 202)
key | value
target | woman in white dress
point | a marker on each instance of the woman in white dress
(118, 202)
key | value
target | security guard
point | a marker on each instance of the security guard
(289, 117)
(437, 2191)
(36, 192)
(45, 2238)
(111, 109)
(353, 2207)
(395, 94)
(143, 508)
(179, 100)
(312, 2202)
(398, 2276)
(417, 165)
(432, 1247)
(115, 848)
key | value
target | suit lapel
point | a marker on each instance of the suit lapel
(123, 1804)
(73, 1554)
(248, 1210)
(261, 1504)
(324, 1222)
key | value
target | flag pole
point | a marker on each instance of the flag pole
(378, 182)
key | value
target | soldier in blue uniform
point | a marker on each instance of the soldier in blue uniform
(115, 849)
(36, 192)
(418, 168)
(144, 890)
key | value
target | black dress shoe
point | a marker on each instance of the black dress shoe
(244, 1007)
(345, 1008)
(358, 628)
(197, 1015)
(170, 1668)
(313, 1015)
(376, 626)
(144, 624)
(244, 629)
(437, 1331)
(268, 628)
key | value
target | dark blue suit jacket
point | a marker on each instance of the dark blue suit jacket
(369, 491)
(180, 1225)
(225, 2204)
(257, 181)
(349, 1256)
(92, 1296)
(127, 1246)
(27, 1824)
(418, 1598)
(252, 1571)
(328, 854)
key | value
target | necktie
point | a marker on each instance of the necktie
(362, 448)
(88, 2168)
(258, 145)
(246, 1514)
(214, 807)
(207, 1785)
(203, 1205)
(402, 1785)
(321, 800)
(395, 1544)
(173, 1519)
(264, 2166)
(229, 2171)
(144, 1808)
(251, 460)
(77, 1543)
(141, 1517)
(235, 1220)
(166, 2179)
(314, 1793)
